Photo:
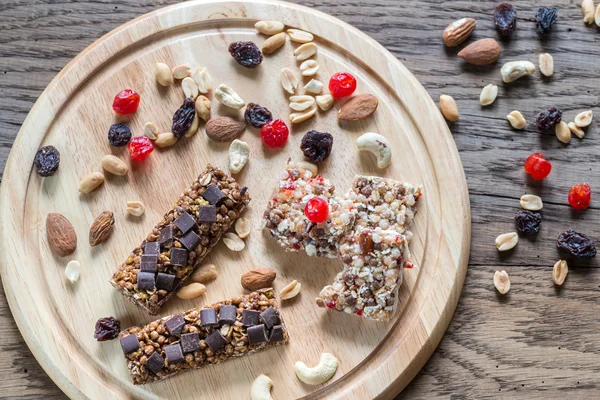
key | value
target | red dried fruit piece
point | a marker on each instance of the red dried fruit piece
(317, 210)
(537, 166)
(140, 148)
(342, 84)
(580, 196)
(126, 102)
(274, 134)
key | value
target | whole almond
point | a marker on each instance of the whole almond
(101, 228)
(358, 107)
(273, 43)
(481, 52)
(61, 235)
(224, 129)
(259, 278)
(449, 108)
(114, 165)
(91, 182)
(458, 31)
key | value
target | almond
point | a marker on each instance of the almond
(61, 235)
(358, 107)
(458, 31)
(481, 52)
(259, 278)
(102, 228)
(224, 129)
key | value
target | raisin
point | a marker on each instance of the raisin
(545, 18)
(246, 54)
(576, 244)
(46, 160)
(528, 223)
(119, 135)
(257, 115)
(183, 117)
(505, 19)
(547, 119)
(316, 146)
(107, 328)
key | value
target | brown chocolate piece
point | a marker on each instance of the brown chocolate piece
(130, 343)
(173, 353)
(190, 342)
(213, 195)
(175, 325)
(216, 341)
(155, 362)
(270, 317)
(276, 334)
(190, 240)
(185, 222)
(152, 248)
(227, 315)
(207, 214)
(178, 256)
(250, 317)
(257, 334)
(208, 317)
(149, 263)
(165, 281)
(145, 281)
(166, 236)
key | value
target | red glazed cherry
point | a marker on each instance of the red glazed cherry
(274, 134)
(317, 210)
(580, 196)
(126, 102)
(140, 148)
(537, 166)
(342, 84)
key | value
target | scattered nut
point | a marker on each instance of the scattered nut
(516, 119)
(73, 270)
(261, 388)
(511, 71)
(193, 127)
(587, 8)
(190, 89)
(289, 82)
(61, 235)
(298, 36)
(377, 145)
(91, 182)
(507, 241)
(313, 168)
(238, 156)
(313, 87)
(204, 274)
(269, 27)
(203, 107)
(182, 71)
(151, 131)
(584, 119)
(203, 80)
(458, 31)
(135, 208)
(228, 97)
(224, 129)
(309, 68)
(546, 64)
(301, 103)
(114, 165)
(291, 290)
(259, 278)
(163, 74)
(488, 95)
(165, 139)
(233, 242)
(321, 373)
(273, 43)
(481, 52)
(559, 272)
(325, 102)
(597, 15)
(296, 118)
(305, 51)
(531, 202)
(449, 108)
(575, 130)
(101, 228)
(242, 227)
(191, 291)
(358, 107)
(502, 282)
(562, 131)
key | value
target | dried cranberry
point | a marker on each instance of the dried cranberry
(317, 210)
(580, 196)
(126, 102)
(107, 328)
(316, 146)
(537, 166)
(46, 160)
(528, 223)
(577, 244)
(342, 84)
(183, 117)
(119, 135)
(547, 119)
(544, 19)
(505, 19)
(246, 54)
(140, 148)
(257, 115)
(274, 134)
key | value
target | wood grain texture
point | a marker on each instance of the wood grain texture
(538, 342)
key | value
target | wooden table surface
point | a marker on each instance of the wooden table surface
(539, 341)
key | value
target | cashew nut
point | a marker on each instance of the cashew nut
(238, 155)
(319, 374)
(378, 145)
(261, 388)
(511, 71)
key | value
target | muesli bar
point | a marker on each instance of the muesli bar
(203, 336)
(155, 269)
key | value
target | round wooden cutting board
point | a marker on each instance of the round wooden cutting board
(56, 318)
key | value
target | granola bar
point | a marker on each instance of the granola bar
(203, 336)
(156, 268)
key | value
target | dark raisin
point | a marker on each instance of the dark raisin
(183, 117)
(547, 119)
(119, 135)
(528, 223)
(46, 160)
(316, 146)
(505, 19)
(545, 18)
(107, 328)
(246, 54)
(257, 115)
(576, 244)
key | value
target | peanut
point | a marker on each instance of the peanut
(507, 241)
(559, 272)
(191, 291)
(114, 165)
(449, 108)
(502, 282)
(91, 182)
(204, 274)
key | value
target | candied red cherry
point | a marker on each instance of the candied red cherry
(342, 84)
(537, 166)
(274, 134)
(317, 210)
(126, 102)
(140, 148)
(580, 196)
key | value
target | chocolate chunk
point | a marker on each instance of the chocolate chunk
(149, 262)
(276, 334)
(178, 256)
(250, 317)
(174, 353)
(207, 214)
(227, 315)
(175, 325)
(145, 281)
(208, 317)
(155, 362)
(130, 343)
(152, 248)
(165, 281)
(243, 191)
(166, 236)
(190, 240)
(190, 342)
(270, 317)
(213, 195)
(185, 222)
(216, 341)
(257, 334)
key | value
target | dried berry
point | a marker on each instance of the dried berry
(580, 196)
(545, 18)
(528, 223)
(107, 328)
(505, 19)
(140, 148)
(576, 244)
(246, 54)
(537, 166)
(317, 210)
(274, 134)
(126, 102)
(316, 146)
(547, 119)
(257, 115)
(183, 117)
(46, 160)
(342, 84)
(119, 135)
